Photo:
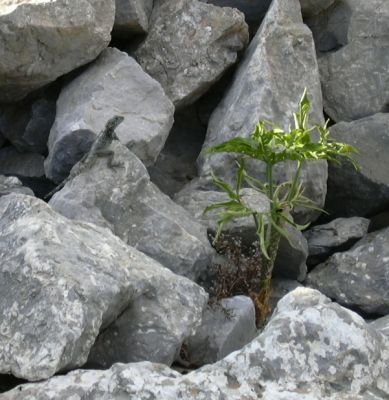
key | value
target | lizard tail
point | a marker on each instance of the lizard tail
(55, 190)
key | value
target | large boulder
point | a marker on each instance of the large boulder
(353, 58)
(62, 281)
(311, 349)
(113, 84)
(132, 17)
(189, 46)
(339, 234)
(11, 184)
(50, 38)
(268, 84)
(12, 162)
(364, 191)
(124, 200)
(358, 278)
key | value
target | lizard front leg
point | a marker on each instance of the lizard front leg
(110, 154)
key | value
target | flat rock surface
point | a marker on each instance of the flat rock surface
(311, 349)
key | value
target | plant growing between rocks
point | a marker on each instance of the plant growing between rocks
(272, 145)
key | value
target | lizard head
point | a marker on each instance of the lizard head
(112, 124)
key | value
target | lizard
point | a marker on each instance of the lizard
(99, 148)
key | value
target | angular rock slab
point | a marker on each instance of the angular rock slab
(268, 84)
(290, 261)
(11, 184)
(324, 240)
(358, 278)
(61, 281)
(365, 191)
(226, 326)
(132, 17)
(113, 84)
(353, 58)
(311, 349)
(124, 200)
(189, 46)
(381, 325)
(50, 39)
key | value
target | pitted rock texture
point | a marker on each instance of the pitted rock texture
(364, 191)
(324, 240)
(62, 281)
(352, 39)
(50, 39)
(11, 184)
(311, 349)
(358, 278)
(132, 17)
(113, 84)
(262, 88)
(189, 46)
(124, 200)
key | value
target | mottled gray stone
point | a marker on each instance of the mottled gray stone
(311, 349)
(132, 17)
(292, 256)
(11, 184)
(26, 124)
(358, 278)
(50, 39)
(324, 240)
(365, 191)
(381, 325)
(352, 40)
(124, 200)
(113, 84)
(263, 88)
(314, 7)
(12, 162)
(226, 326)
(62, 281)
(189, 52)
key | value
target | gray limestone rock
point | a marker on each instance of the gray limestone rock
(226, 326)
(268, 84)
(352, 40)
(26, 124)
(189, 46)
(132, 17)
(324, 240)
(62, 281)
(50, 39)
(311, 349)
(124, 200)
(381, 325)
(292, 256)
(12, 162)
(11, 184)
(365, 191)
(113, 84)
(358, 278)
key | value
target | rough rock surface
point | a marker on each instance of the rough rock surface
(381, 325)
(324, 240)
(26, 124)
(358, 278)
(61, 281)
(124, 200)
(12, 162)
(291, 260)
(50, 39)
(226, 326)
(311, 349)
(262, 88)
(189, 45)
(314, 7)
(114, 84)
(11, 184)
(132, 17)
(366, 191)
(352, 38)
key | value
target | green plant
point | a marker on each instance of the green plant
(273, 145)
